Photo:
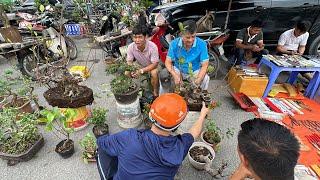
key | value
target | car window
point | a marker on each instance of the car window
(292, 3)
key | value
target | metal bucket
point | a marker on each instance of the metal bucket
(129, 115)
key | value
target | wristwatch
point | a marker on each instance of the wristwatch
(141, 71)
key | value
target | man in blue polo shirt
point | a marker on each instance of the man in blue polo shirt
(188, 56)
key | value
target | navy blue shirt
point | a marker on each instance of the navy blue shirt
(145, 155)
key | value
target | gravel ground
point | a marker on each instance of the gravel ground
(49, 165)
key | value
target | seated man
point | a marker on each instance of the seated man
(267, 151)
(294, 41)
(146, 55)
(152, 153)
(188, 56)
(249, 43)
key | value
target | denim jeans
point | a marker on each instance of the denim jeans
(107, 165)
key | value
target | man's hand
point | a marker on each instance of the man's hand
(255, 48)
(204, 110)
(136, 73)
(197, 82)
(176, 78)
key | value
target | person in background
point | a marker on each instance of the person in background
(249, 43)
(186, 54)
(294, 41)
(145, 53)
(267, 151)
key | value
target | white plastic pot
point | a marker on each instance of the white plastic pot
(198, 165)
(214, 146)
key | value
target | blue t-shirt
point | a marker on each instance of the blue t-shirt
(196, 55)
(145, 155)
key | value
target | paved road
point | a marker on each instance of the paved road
(48, 165)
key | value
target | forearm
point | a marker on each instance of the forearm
(283, 50)
(203, 70)
(150, 67)
(243, 46)
(196, 128)
(169, 66)
(301, 50)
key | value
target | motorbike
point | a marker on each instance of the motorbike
(56, 48)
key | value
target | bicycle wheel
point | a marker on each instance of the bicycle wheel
(72, 48)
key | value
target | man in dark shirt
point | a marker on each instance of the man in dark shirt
(249, 43)
(150, 154)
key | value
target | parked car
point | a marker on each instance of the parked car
(279, 16)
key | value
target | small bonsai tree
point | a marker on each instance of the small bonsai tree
(213, 133)
(98, 116)
(58, 121)
(18, 132)
(99, 120)
(89, 145)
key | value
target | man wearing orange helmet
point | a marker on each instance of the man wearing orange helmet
(152, 153)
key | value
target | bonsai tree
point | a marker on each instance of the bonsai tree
(57, 122)
(17, 136)
(213, 134)
(98, 119)
(89, 145)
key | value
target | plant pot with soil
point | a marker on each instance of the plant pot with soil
(212, 135)
(56, 122)
(98, 118)
(124, 89)
(200, 155)
(20, 139)
(89, 146)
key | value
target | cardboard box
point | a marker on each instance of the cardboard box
(253, 86)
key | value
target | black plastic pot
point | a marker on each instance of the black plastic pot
(100, 130)
(127, 98)
(66, 153)
(14, 159)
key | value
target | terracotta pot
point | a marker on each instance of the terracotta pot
(198, 165)
(66, 153)
(216, 146)
(14, 159)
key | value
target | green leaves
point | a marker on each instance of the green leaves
(41, 8)
(57, 119)
(98, 116)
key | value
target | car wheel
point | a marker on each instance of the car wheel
(315, 46)
(214, 64)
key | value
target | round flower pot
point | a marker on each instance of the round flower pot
(65, 152)
(127, 98)
(216, 146)
(14, 159)
(100, 130)
(196, 164)
(55, 97)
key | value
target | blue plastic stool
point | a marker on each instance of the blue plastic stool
(276, 70)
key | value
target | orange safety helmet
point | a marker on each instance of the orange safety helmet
(168, 111)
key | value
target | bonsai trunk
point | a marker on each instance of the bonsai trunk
(64, 146)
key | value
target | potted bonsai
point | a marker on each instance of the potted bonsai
(20, 139)
(56, 122)
(212, 135)
(19, 89)
(123, 87)
(98, 119)
(65, 92)
(201, 155)
(89, 145)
